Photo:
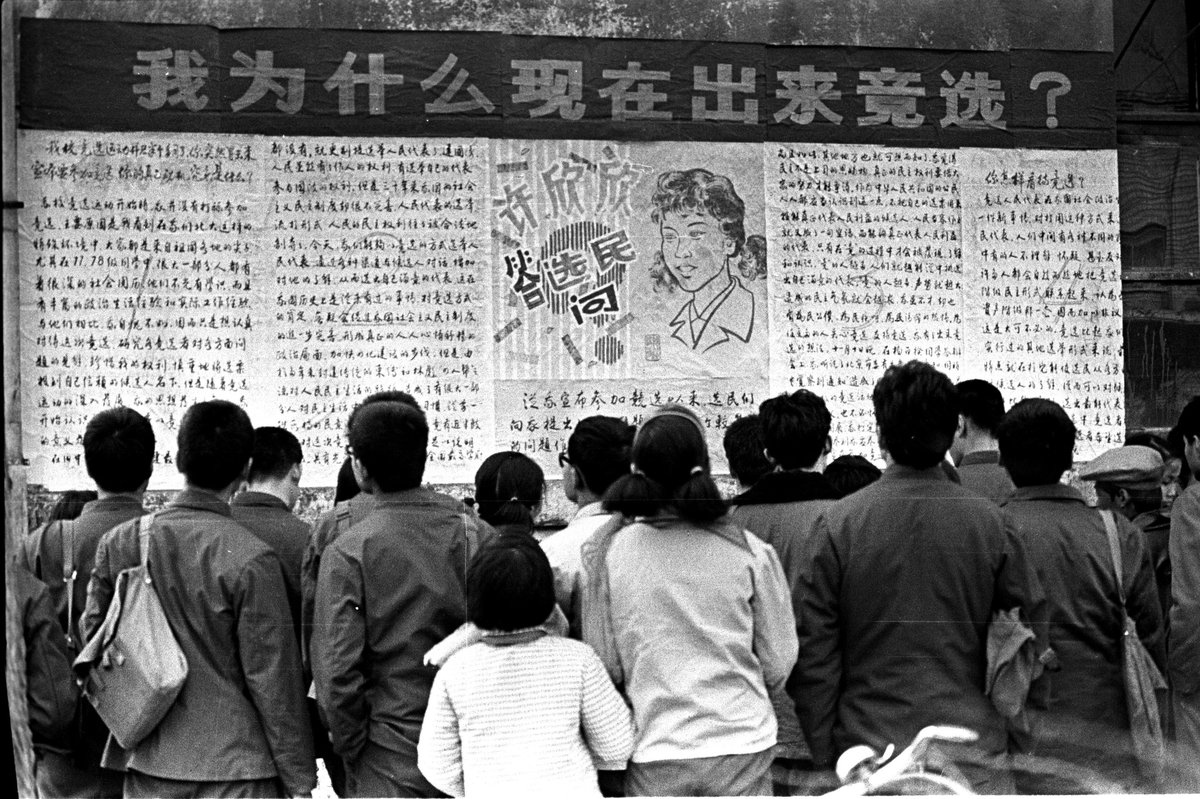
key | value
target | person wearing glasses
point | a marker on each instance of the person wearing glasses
(597, 454)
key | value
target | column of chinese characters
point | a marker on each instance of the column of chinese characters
(380, 286)
(869, 274)
(1043, 252)
(135, 282)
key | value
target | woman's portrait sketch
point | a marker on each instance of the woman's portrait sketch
(704, 251)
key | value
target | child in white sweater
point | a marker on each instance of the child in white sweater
(520, 712)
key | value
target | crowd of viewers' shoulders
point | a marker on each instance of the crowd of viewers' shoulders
(667, 640)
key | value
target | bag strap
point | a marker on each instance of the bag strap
(342, 517)
(1114, 548)
(145, 526)
(66, 537)
(471, 531)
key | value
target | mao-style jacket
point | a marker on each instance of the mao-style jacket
(1078, 712)
(241, 713)
(897, 590)
(389, 588)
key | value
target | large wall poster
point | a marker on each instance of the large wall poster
(524, 231)
(634, 271)
(293, 277)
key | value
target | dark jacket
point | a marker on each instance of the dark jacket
(43, 552)
(1156, 532)
(49, 684)
(1078, 713)
(389, 589)
(43, 556)
(241, 713)
(275, 525)
(982, 473)
(329, 526)
(1184, 546)
(782, 509)
(900, 582)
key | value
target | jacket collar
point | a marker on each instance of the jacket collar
(200, 499)
(980, 458)
(407, 496)
(898, 471)
(259, 499)
(1057, 491)
(792, 486)
(113, 503)
(591, 509)
(513, 637)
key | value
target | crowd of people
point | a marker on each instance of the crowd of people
(668, 640)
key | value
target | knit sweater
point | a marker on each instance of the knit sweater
(523, 719)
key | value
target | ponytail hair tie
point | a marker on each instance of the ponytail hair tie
(697, 470)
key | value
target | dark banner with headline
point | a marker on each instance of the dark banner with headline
(123, 76)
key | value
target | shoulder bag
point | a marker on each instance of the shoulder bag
(132, 669)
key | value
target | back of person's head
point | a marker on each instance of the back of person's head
(381, 396)
(1183, 438)
(671, 463)
(70, 505)
(216, 440)
(743, 444)
(1145, 438)
(795, 428)
(508, 490)
(118, 450)
(1175, 445)
(390, 440)
(1189, 419)
(347, 483)
(599, 449)
(1037, 442)
(276, 451)
(510, 585)
(849, 473)
(981, 403)
(916, 408)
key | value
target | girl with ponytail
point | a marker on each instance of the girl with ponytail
(692, 618)
(509, 488)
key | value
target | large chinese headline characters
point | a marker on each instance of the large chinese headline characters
(627, 92)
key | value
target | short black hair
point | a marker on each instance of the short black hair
(70, 505)
(118, 450)
(1188, 425)
(916, 408)
(216, 440)
(982, 403)
(743, 445)
(1145, 438)
(509, 585)
(795, 428)
(276, 451)
(347, 483)
(381, 396)
(390, 439)
(599, 450)
(1037, 442)
(849, 473)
